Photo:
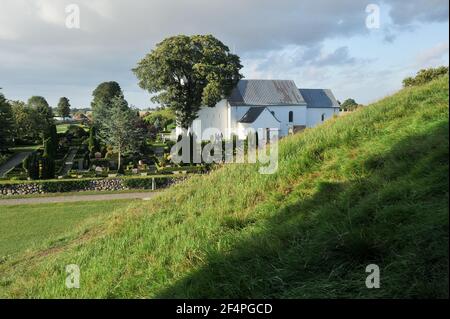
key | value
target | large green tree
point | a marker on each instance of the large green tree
(6, 123)
(26, 121)
(349, 105)
(117, 127)
(40, 104)
(160, 118)
(63, 109)
(45, 113)
(187, 72)
(103, 95)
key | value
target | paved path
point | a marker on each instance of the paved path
(69, 161)
(13, 162)
(76, 198)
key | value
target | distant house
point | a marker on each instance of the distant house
(143, 114)
(81, 117)
(268, 105)
(59, 119)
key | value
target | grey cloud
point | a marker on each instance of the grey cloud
(36, 47)
(406, 12)
(338, 57)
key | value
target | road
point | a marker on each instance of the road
(13, 162)
(76, 198)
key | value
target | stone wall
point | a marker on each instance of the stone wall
(21, 189)
(107, 184)
(39, 188)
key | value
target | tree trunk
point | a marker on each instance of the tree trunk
(119, 161)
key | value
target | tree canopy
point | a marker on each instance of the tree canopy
(187, 72)
(40, 104)
(103, 96)
(105, 92)
(26, 121)
(117, 127)
(349, 105)
(45, 113)
(160, 118)
(63, 109)
(6, 123)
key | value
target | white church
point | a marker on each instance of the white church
(268, 105)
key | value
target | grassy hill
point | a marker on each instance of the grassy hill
(370, 187)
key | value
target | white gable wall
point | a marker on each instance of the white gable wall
(314, 115)
(212, 117)
(281, 113)
(226, 117)
(265, 121)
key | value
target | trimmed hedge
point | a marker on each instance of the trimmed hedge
(188, 169)
(81, 184)
(55, 186)
(146, 183)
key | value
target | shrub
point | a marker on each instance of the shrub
(76, 131)
(100, 162)
(425, 75)
(55, 186)
(146, 182)
(31, 164)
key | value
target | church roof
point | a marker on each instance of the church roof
(265, 93)
(318, 98)
(253, 113)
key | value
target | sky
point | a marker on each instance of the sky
(359, 49)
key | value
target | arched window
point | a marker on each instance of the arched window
(323, 117)
(291, 116)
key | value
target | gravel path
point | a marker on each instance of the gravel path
(69, 161)
(76, 198)
(13, 162)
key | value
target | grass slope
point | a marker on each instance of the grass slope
(370, 187)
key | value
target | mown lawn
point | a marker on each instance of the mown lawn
(24, 227)
(62, 128)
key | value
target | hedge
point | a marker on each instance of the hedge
(146, 183)
(72, 185)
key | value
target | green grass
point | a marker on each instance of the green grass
(27, 227)
(26, 148)
(124, 191)
(62, 128)
(370, 187)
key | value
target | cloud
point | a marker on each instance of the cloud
(338, 57)
(272, 37)
(406, 12)
(433, 56)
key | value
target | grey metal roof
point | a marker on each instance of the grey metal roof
(265, 93)
(319, 98)
(253, 113)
